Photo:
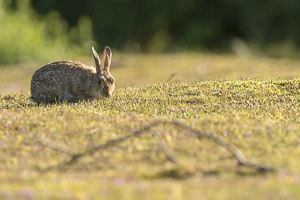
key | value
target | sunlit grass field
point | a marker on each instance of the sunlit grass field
(141, 69)
(249, 103)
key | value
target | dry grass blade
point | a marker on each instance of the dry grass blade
(172, 76)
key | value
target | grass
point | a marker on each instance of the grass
(259, 116)
(223, 97)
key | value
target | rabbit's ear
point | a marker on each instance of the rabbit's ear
(107, 58)
(97, 61)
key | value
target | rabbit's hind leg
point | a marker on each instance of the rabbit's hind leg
(46, 94)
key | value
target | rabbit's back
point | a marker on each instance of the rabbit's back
(61, 80)
(65, 67)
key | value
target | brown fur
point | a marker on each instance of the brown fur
(73, 81)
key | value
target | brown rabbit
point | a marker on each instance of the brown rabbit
(72, 81)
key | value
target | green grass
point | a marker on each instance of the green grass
(259, 116)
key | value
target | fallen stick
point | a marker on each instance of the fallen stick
(74, 157)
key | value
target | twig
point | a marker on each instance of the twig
(242, 160)
(91, 151)
(172, 157)
(238, 154)
(235, 151)
(112, 143)
(53, 145)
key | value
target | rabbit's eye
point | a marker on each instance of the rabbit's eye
(99, 80)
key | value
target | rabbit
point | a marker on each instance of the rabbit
(72, 81)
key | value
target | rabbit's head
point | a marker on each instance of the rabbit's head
(105, 80)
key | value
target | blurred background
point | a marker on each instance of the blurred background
(151, 39)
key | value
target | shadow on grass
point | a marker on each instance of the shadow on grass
(184, 172)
